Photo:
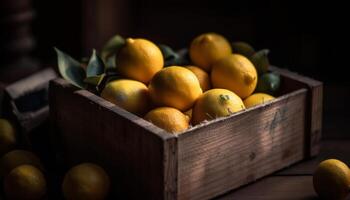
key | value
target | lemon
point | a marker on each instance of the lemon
(130, 95)
(16, 158)
(203, 77)
(7, 136)
(215, 103)
(256, 99)
(86, 181)
(207, 48)
(189, 114)
(332, 180)
(236, 73)
(169, 119)
(139, 59)
(25, 182)
(175, 87)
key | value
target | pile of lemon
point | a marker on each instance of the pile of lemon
(24, 176)
(220, 81)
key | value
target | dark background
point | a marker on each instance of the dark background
(308, 37)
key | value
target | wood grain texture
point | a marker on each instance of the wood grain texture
(292, 81)
(138, 155)
(276, 188)
(234, 151)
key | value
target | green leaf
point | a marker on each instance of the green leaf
(110, 62)
(95, 66)
(94, 80)
(70, 69)
(112, 47)
(168, 53)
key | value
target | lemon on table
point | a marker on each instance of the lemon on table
(139, 59)
(216, 103)
(332, 180)
(207, 48)
(203, 77)
(86, 181)
(130, 95)
(169, 119)
(7, 136)
(16, 158)
(25, 182)
(236, 73)
(176, 87)
(256, 99)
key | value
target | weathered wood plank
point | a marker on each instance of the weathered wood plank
(139, 156)
(231, 152)
(292, 81)
(276, 188)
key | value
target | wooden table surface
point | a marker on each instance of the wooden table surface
(294, 182)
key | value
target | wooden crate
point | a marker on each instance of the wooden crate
(208, 160)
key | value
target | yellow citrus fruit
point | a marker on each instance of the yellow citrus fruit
(189, 114)
(207, 48)
(256, 99)
(236, 73)
(25, 182)
(7, 136)
(169, 119)
(86, 181)
(331, 180)
(16, 158)
(203, 77)
(139, 59)
(175, 87)
(216, 103)
(130, 95)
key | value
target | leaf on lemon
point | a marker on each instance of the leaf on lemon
(95, 66)
(70, 69)
(112, 46)
(94, 80)
(110, 62)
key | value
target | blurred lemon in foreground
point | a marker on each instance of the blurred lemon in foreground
(207, 48)
(16, 158)
(216, 103)
(203, 77)
(139, 59)
(175, 87)
(25, 182)
(236, 73)
(7, 136)
(256, 99)
(170, 119)
(332, 180)
(130, 95)
(86, 181)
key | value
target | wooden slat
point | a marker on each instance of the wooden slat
(139, 156)
(228, 153)
(276, 188)
(313, 109)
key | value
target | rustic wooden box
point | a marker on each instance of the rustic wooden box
(208, 160)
